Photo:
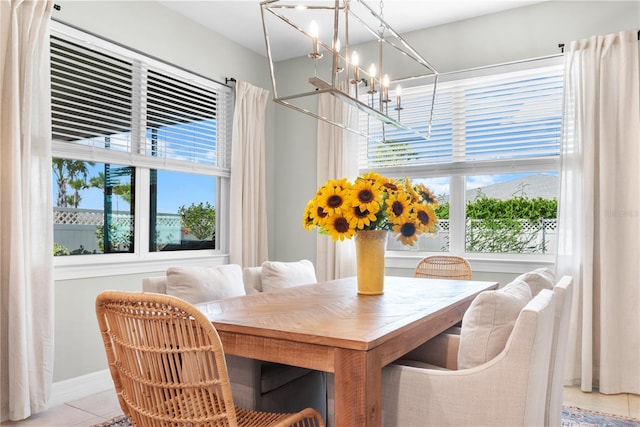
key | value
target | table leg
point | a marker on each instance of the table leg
(358, 388)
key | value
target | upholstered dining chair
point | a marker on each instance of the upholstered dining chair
(444, 267)
(508, 389)
(168, 367)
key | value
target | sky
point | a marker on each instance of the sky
(177, 188)
(174, 189)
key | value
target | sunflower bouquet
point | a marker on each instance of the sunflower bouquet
(372, 202)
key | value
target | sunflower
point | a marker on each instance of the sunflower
(342, 208)
(361, 218)
(426, 195)
(426, 219)
(341, 183)
(314, 215)
(415, 197)
(389, 185)
(398, 206)
(307, 220)
(366, 194)
(372, 176)
(333, 199)
(407, 230)
(338, 227)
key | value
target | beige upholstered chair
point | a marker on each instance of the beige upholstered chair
(444, 267)
(442, 351)
(168, 366)
(509, 389)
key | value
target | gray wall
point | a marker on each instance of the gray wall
(291, 137)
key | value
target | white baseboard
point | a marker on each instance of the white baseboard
(79, 387)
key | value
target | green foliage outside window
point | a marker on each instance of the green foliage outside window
(59, 250)
(73, 174)
(505, 226)
(199, 220)
(121, 238)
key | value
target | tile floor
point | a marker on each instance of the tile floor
(100, 407)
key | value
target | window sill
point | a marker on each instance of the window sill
(85, 266)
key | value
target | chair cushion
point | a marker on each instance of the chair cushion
(538, 279)
(200, 284)
(156, 284)
(488, 322)
(278, 275)
(252, 278)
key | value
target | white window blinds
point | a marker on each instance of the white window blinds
(506, 116)
(184, 121)
(157, 115)
(91, 95)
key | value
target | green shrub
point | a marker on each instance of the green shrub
(505, 226)
(199, 220)
(59, 250)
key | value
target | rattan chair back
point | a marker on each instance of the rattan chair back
(444, 267)
(168, 367)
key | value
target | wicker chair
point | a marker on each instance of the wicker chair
(168, 365)
(444, 267)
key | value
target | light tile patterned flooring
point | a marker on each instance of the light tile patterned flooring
(100, 407)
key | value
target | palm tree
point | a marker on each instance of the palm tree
(72, 173)
(122, 190)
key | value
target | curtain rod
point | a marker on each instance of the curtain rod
(561, 45)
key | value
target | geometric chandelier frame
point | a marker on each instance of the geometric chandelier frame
(368, 76)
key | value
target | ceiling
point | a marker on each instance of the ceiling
(240, 20)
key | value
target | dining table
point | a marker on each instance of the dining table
(328, 326)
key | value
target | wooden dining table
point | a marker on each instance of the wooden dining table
(329, 327)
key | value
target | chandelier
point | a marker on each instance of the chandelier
(343, 61)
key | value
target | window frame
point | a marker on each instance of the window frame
(142, 260)
(457, 172)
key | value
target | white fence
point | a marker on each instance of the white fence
(78, 229)
(539, 235)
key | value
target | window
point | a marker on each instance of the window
(492, 158)
(141, 152)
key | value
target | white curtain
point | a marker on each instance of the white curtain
(26, 230)
(337, 158)
(599, 231)
(248, 244)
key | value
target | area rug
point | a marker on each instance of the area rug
(578, 417)
(571, 417)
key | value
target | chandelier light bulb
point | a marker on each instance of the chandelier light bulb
(336, 48)
(355, 61)
(385, 88)
(313, 32)
(372, 78)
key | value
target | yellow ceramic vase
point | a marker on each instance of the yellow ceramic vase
(370, 248)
